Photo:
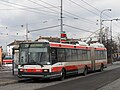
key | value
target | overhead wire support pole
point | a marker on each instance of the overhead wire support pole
(26, 33)
(111, 40)
(61, 17)
(101, 33)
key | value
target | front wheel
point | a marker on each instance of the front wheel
(63, 74)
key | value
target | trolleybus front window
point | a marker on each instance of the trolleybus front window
(39, 56)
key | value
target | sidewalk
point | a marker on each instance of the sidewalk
(6, 76)
(114, 85)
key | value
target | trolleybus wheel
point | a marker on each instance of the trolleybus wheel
(63, 74)
(85, 72)
(102, 67)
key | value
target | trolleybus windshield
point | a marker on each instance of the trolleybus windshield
(34, 54)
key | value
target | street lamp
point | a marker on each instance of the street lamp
(111, 52)
(101, 23)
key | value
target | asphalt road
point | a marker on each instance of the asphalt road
(92, 81)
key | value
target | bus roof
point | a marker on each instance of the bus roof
(79, 45)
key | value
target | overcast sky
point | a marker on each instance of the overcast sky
(83, 14)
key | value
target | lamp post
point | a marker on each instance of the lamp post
(111, 43)
(101, 23)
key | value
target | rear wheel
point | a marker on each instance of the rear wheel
(85, 72)
(102, 67)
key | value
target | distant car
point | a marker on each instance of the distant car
(7, 60)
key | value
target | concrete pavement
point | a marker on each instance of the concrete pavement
(112, 86)
(6, 77)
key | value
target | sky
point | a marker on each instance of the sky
(79, 17)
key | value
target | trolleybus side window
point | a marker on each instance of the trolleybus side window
(88, 55)
(74, 55)
(61, 55)
(100, 54)
(84, 54)
(104, 54)
(54, 55)
(79, 55)
(68, 54)
(97, 54)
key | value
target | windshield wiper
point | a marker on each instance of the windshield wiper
(39, 64)
(33, 62)
(25, 64)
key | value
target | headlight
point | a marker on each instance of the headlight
(45, 70)
(21, 70)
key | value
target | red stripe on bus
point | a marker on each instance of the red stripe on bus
(7, 61)
(61, 45)
(68, 46)
(100, 48)
(56, 69)
(32, 70)
(54, 45)
(71, 67)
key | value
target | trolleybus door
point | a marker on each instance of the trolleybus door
(93, 59)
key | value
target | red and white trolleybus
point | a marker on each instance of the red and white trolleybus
(46, 59)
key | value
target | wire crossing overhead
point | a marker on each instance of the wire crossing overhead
(95, 8)
(26, 8)
(83, 7)
(69, 14)
(51, 13)
(43, 6)
(43, 28)
(78, 28)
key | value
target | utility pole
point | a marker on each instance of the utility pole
(26, 33)
(61, 18)
(118, 51)
(101, 33)
(111, 41)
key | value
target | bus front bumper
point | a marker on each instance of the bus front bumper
(39, 75)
